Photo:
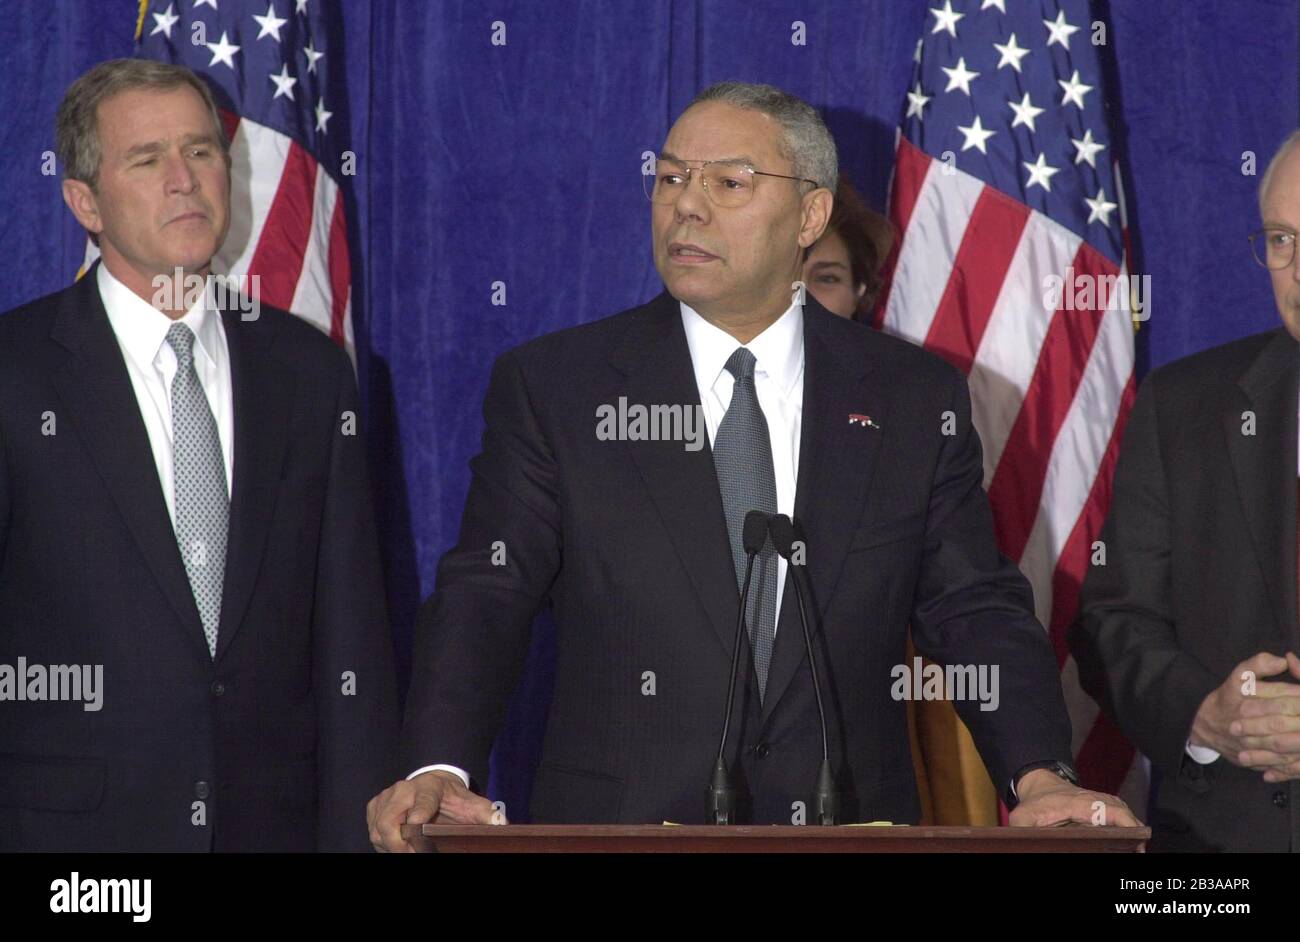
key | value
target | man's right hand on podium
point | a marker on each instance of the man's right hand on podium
(440, 797)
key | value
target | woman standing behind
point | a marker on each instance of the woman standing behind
(844, 268)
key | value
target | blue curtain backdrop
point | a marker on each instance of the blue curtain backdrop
(518, 164)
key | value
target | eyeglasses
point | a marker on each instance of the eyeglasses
(727, 182)
(1274, 248)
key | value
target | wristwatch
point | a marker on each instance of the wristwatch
(1055, 766)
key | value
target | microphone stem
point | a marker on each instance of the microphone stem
(795, 577)
(735, 658)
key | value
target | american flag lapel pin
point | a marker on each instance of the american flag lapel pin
(858, 419)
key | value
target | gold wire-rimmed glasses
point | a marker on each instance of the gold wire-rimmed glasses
(728, 183)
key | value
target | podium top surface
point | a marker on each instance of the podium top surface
(668, 838)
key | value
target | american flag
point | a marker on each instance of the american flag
(277, 83)
(1005, 176)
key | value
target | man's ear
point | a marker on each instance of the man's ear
(84, 205)
(816, 211)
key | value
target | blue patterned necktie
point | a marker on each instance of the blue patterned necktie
(742, 455)
(202, 499)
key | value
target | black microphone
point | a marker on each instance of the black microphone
(826, 800)
(720, 796)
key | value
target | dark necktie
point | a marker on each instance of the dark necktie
(742, 455)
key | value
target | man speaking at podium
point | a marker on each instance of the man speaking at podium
(632, 532)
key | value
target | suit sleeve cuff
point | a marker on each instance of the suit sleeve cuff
(455, 770)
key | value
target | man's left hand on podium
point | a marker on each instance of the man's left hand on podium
(1046, 799)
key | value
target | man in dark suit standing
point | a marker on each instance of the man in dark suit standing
(185, 525)
(633, 534)
(1195, 606)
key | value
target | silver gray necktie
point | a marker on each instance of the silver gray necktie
(742, 455)
(202, 499)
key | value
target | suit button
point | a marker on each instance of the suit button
(762, 750)
(201, 790)
(1280, 799)
(218, 689)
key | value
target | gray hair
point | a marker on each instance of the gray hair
(77, 124)
(1291, 140)
(805, 140)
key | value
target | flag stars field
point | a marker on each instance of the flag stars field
(916, 101)
(223, 51)
(1059, 31)
(1040, 173)
(284, 82)
(960, 77)
(312, 57)
(1011, 53)
(165, 21)
(1025, 112)
(1087, 149)
(946, 19)
(1100, 208)
(976, 136)
(1073, 90)
(270, 23)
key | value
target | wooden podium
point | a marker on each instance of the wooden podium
(754, 839)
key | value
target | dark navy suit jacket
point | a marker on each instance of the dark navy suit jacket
(627, 541)
(269, 746)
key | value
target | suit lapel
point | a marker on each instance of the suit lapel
(1264, 467)
(94, 384)
(656, 362)
(262, 391)
(836, 461)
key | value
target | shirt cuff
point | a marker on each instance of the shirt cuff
(455, 770)
(1203, 755)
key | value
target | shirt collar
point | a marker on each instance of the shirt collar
(141, 328)
(778, 350)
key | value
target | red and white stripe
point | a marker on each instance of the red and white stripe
(1050, 392)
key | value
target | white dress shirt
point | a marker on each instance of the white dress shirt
(778, 381)
(141, 331)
